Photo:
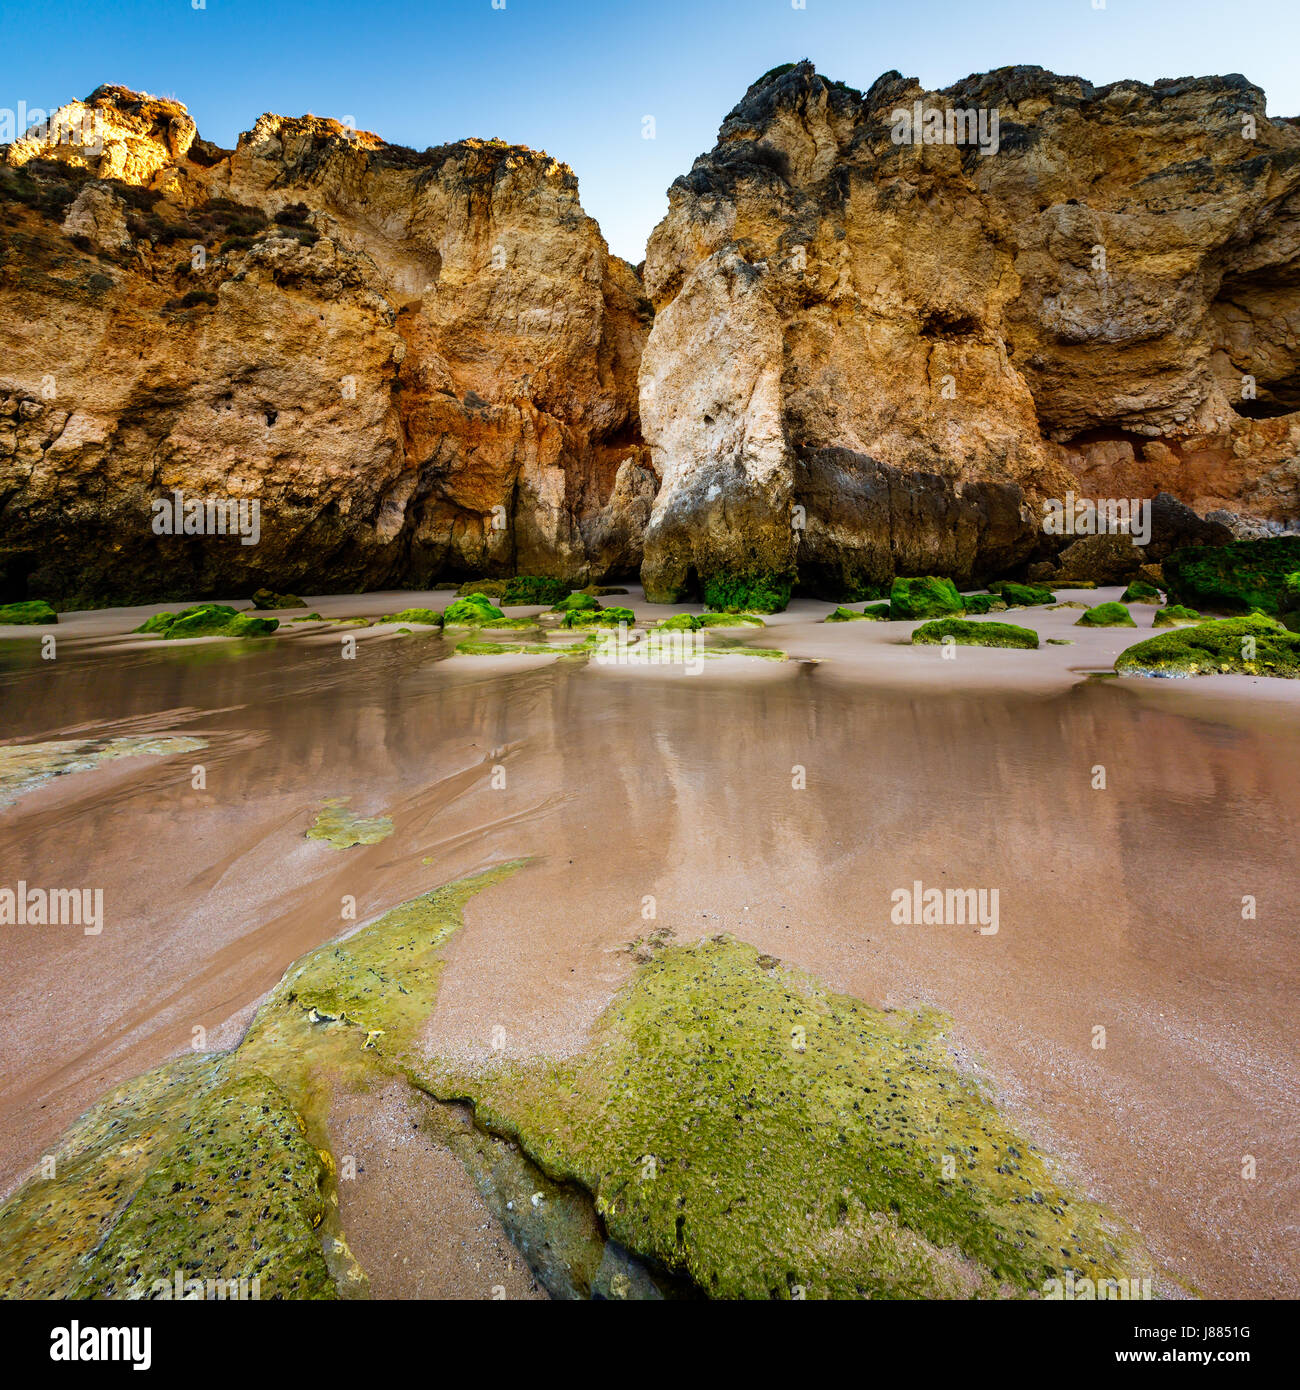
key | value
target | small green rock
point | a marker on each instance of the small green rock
(29, 613)
(925, 597)
(1107, 615)
(968, 634)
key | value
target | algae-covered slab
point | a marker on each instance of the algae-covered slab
(24, 766)
(740, 1125)
(1256, 645)
(338, 826)
(33, 612)
(968, 634)
(208, 620)
(190, 1167)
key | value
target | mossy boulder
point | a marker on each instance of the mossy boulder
(472, 611)
(744, 1127)
(846, 615)
(968, 634)
(760, 593)
(983, 603)
(925, 597)
(29, 613)
(603, 617)
(267, 598)
(1256, 645)
(1176, 616)
(576, 603)
(1022, 595)
(1107, 615)
(1235, 578)
(1139, 591)
(679, 622)
(531, 589)
(731, 620)
(424, 617)
(208, 620)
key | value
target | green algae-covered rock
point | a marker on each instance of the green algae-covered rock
(730, 620)
(530, 589)
(742, 1126)
(472, 611)
(926, 597)
(575, 603)
(845, 615)
(758, 593)
(338, 826)
(679, 622)
(1139, 591)
(425, 617)
(1256, 645)
(30, 612)
(1023, 595)
(191, 1167)
(267, 598)
(1234, 578)
(983, 603)
(603, 617)
(1176, 616)
(208, 620)
(602, 590)
(1107, 615)
(967, 634)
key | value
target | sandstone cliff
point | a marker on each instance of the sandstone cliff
(422, 365)
(855, 353)
(872, 355)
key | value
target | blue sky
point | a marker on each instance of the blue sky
(576, 79)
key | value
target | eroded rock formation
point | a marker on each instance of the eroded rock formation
(874, 356)
(422, 365)
(855, 354)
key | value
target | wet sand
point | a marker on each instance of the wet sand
(1119, 908)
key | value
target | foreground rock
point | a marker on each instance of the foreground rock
(968, 634)
(1250, 646)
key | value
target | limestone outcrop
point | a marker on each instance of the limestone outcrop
(874, 354)
(418, 365)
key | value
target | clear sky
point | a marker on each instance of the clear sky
(577, 78)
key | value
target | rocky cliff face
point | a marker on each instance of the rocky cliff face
(873, 354)
(873, 351)
(420, 365)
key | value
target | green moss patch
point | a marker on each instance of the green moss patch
(756, 593)
(926, 597)
(208, 620)
(983, 603)
(1176, 616)
(1023, 595)
(600, 617)
(25, 766)
(530, 589)
(1234, 578)
(740, 1125)
(472, 611)
(342, 829)
(1107, 615)
(576, 603)
(967, 634)
(1139, 591)
(29, 613)
(1253, 646)
(422, 617)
